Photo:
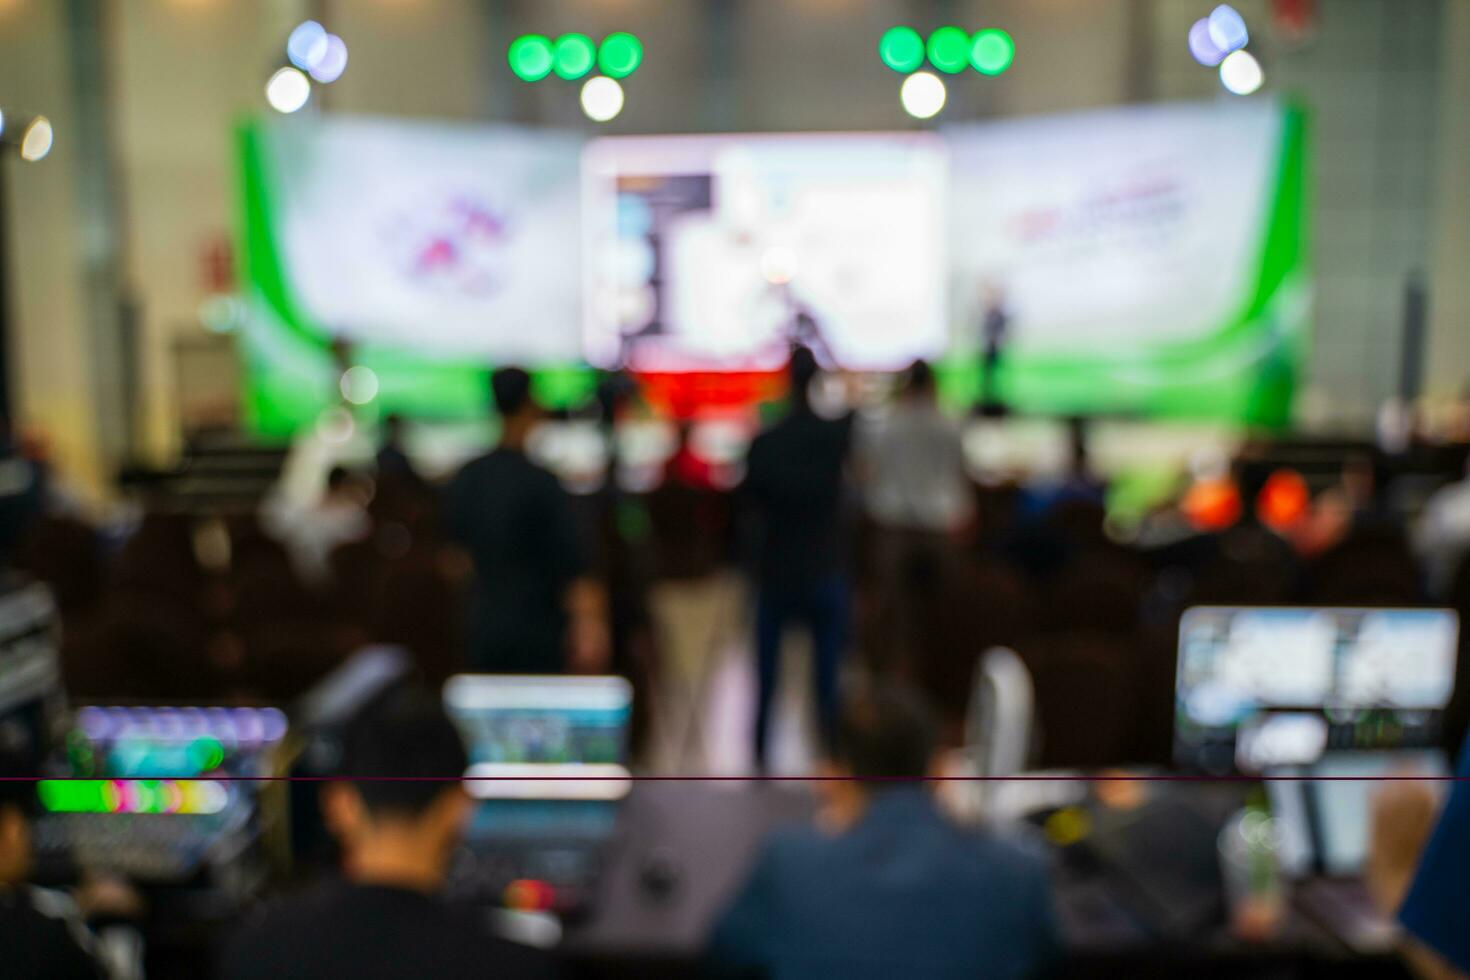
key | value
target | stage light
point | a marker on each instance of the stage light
(620, 55)
(901, 48)
(1241, 73)
(307, 44)
(333, 62)
(530, 57)
(36, 141)
(287, 90)
(949, 49)
(359, 385)
(573, 56)
(2, 122)
(992, 51)
(1227, 28)
(602, 98)
(1203, 47)
(922, 95)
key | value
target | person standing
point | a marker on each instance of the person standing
(794, 482)
(534, 606)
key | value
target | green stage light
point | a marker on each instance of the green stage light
(573, 55)
(949, 49)
(992, 51)
(530, 57)
(620, 55)
(901, 49)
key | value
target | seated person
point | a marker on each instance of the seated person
(42, 934)
(888, 887)
(383, 920)
(1420, 867)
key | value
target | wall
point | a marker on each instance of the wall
(51, 378)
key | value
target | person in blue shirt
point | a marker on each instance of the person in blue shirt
(886, 886)
(1429, 883)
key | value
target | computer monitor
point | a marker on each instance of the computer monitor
(547, 766)
(159, 792)
(533, 737)
(1264, 687)
(31, 697)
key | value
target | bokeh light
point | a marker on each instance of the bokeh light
(602, 98)
(287, 90)
(1227, 28)
(573, 56)
(307, 44)
(901, 48)
(37, 139)
(1241, 73)
(949, 49)
(333, 62)
(1202, 47)
(992, 51)
(530, 57)
(620, 55)
(922, 95)
(359, 385)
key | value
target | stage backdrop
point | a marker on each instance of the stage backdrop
(1147, 260)
(424, 252)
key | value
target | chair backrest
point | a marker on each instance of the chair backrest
(997, 726)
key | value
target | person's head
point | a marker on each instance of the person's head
(17, 808)
(399, 811)
(510, 389)
(919, 383)
(801, 371)
(884, 738)
(393, 430)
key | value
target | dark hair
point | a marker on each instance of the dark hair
(887, 732)
(403, 752)
(392, 425)
(920, 378)
(801, 370)
(510, 389)
(16, 789)
(337, 476)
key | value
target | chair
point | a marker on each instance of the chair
(997, 730)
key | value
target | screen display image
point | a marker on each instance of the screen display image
(543, 737)
(1148, 259)
(419, 249)
(716, 253)
(1271, 683)
(146, 793)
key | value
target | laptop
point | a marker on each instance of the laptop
(548, 774)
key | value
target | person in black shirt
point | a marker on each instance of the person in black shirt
(382, 920)
(534, 609)
(42, 936)
(795, 481)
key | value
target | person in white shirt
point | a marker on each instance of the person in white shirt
(1442, 536)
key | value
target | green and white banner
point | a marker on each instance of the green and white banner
(1146, 261)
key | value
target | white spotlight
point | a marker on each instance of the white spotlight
(602, 98)
(359, 385)
(922, 95)
(36, 141)
(333, 62)
(1241, 73)
(1227, 28)
(287, 90)
(307, 45)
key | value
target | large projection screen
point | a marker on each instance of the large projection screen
(419, 250)
(1147, 260)
(715, 253)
